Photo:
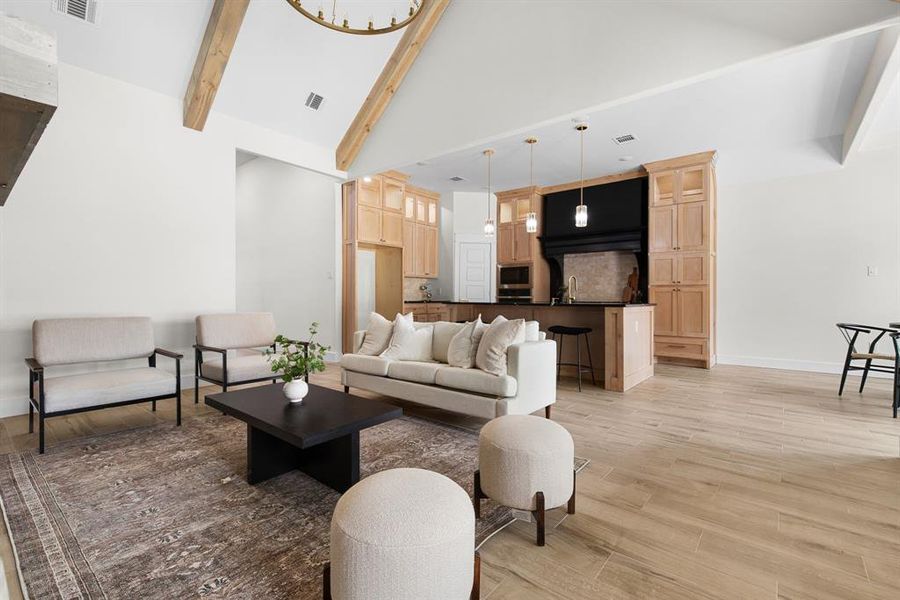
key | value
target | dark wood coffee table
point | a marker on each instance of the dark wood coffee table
(319, 436)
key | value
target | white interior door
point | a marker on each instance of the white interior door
(474, 271)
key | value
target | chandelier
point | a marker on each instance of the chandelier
(338, 17)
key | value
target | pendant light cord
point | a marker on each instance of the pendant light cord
(581, 199)
(489, 188)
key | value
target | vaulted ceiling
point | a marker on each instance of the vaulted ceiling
(738, 75)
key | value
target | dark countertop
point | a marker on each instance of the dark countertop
(547, 304)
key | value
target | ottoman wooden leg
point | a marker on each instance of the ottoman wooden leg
(477, 495)
(571, 507)
(326, 581)
(476, 584)
(539, 517)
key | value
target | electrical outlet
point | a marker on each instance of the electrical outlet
(872, 271)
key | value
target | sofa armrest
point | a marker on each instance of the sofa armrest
(168, 353)
(34, 366)
(358, 337)
(533, 364)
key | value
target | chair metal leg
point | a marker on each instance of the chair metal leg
(846, 369)
(558, 354)
(178, 393)
(865, 375)
(196, 377)
(587, 342)
(30, 417)
(40, 434)
(578, 354)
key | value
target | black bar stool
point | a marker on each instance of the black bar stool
(562, 331)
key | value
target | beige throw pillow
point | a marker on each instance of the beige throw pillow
(378, 335)
(464, 345)
(408, 341)
(502, 333)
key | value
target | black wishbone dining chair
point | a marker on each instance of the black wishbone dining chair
(851, 333)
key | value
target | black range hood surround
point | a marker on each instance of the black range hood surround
(617, 222)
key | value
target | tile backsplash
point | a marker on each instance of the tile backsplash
(411, 289)
(601, 275)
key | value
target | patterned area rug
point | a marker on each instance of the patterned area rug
(164, 512)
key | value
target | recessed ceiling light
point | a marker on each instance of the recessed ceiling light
(367, 179)
(626, 158)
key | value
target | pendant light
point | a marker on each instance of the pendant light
(531, 219)
(581, 209)
(489, 222)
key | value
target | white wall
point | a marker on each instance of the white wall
(469, 212)
(286, 247)
(121, 210)
(793, 257)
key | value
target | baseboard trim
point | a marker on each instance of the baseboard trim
(792, 365)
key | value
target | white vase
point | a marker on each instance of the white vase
(296, 390)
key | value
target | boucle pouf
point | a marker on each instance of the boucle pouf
(403, 534)
(526, 462)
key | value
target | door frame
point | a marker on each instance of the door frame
(476, 238)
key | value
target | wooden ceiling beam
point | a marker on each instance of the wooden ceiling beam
(396, 68)
(215, 50)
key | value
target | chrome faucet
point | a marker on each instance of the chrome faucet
(573, 288)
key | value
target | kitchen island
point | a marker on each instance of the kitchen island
(621, 340)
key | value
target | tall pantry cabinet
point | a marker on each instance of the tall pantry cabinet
(682, 258)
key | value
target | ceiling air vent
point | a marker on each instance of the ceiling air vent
(456, 178)
(314, 101)
(83, 10)
(624, 139)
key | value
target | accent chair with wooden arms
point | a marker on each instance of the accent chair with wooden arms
(852, 333)
(234, 345)
(59, 342)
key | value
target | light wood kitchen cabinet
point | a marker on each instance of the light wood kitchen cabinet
(391, 228)
(662, 228)
(506, 244)
(369, 192)
(522, 246)
(688, 268)
(432, 210)
(409, 207)
(432, 249)
(409, 248)
(368, 225)
(666, 319)
(682, 249)
(419, 251)
(692, 226)
(392, 196)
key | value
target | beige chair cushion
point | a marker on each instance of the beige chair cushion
(105, 387)
(418, 372)
(444, 331)
(403, 534)
(236, 330)
(243, 365)
(520, 455)
(378, 335)
(70, 341)
(474, 380)
(408, 341)
(373, 365)
(491, 355)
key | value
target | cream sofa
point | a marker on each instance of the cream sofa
(529, 385)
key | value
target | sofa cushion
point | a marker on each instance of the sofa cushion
(236, 330)
(105, 387)
(373, 365)
(476, 380)
(378, 335)
(416, 371)
(501, 334)
(409, 342)
(243, 365)
(532, 331)
(464, 345)
(443, 333)
(70, 341)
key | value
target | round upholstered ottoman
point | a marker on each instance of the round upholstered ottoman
(403, 534)
(527, 463)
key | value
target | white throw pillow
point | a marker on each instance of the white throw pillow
(409, 342)
(491, 355)
(378, 335)
(464, 345)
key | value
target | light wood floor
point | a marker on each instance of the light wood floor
(731, 483)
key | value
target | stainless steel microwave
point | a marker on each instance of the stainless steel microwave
(514, 277)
